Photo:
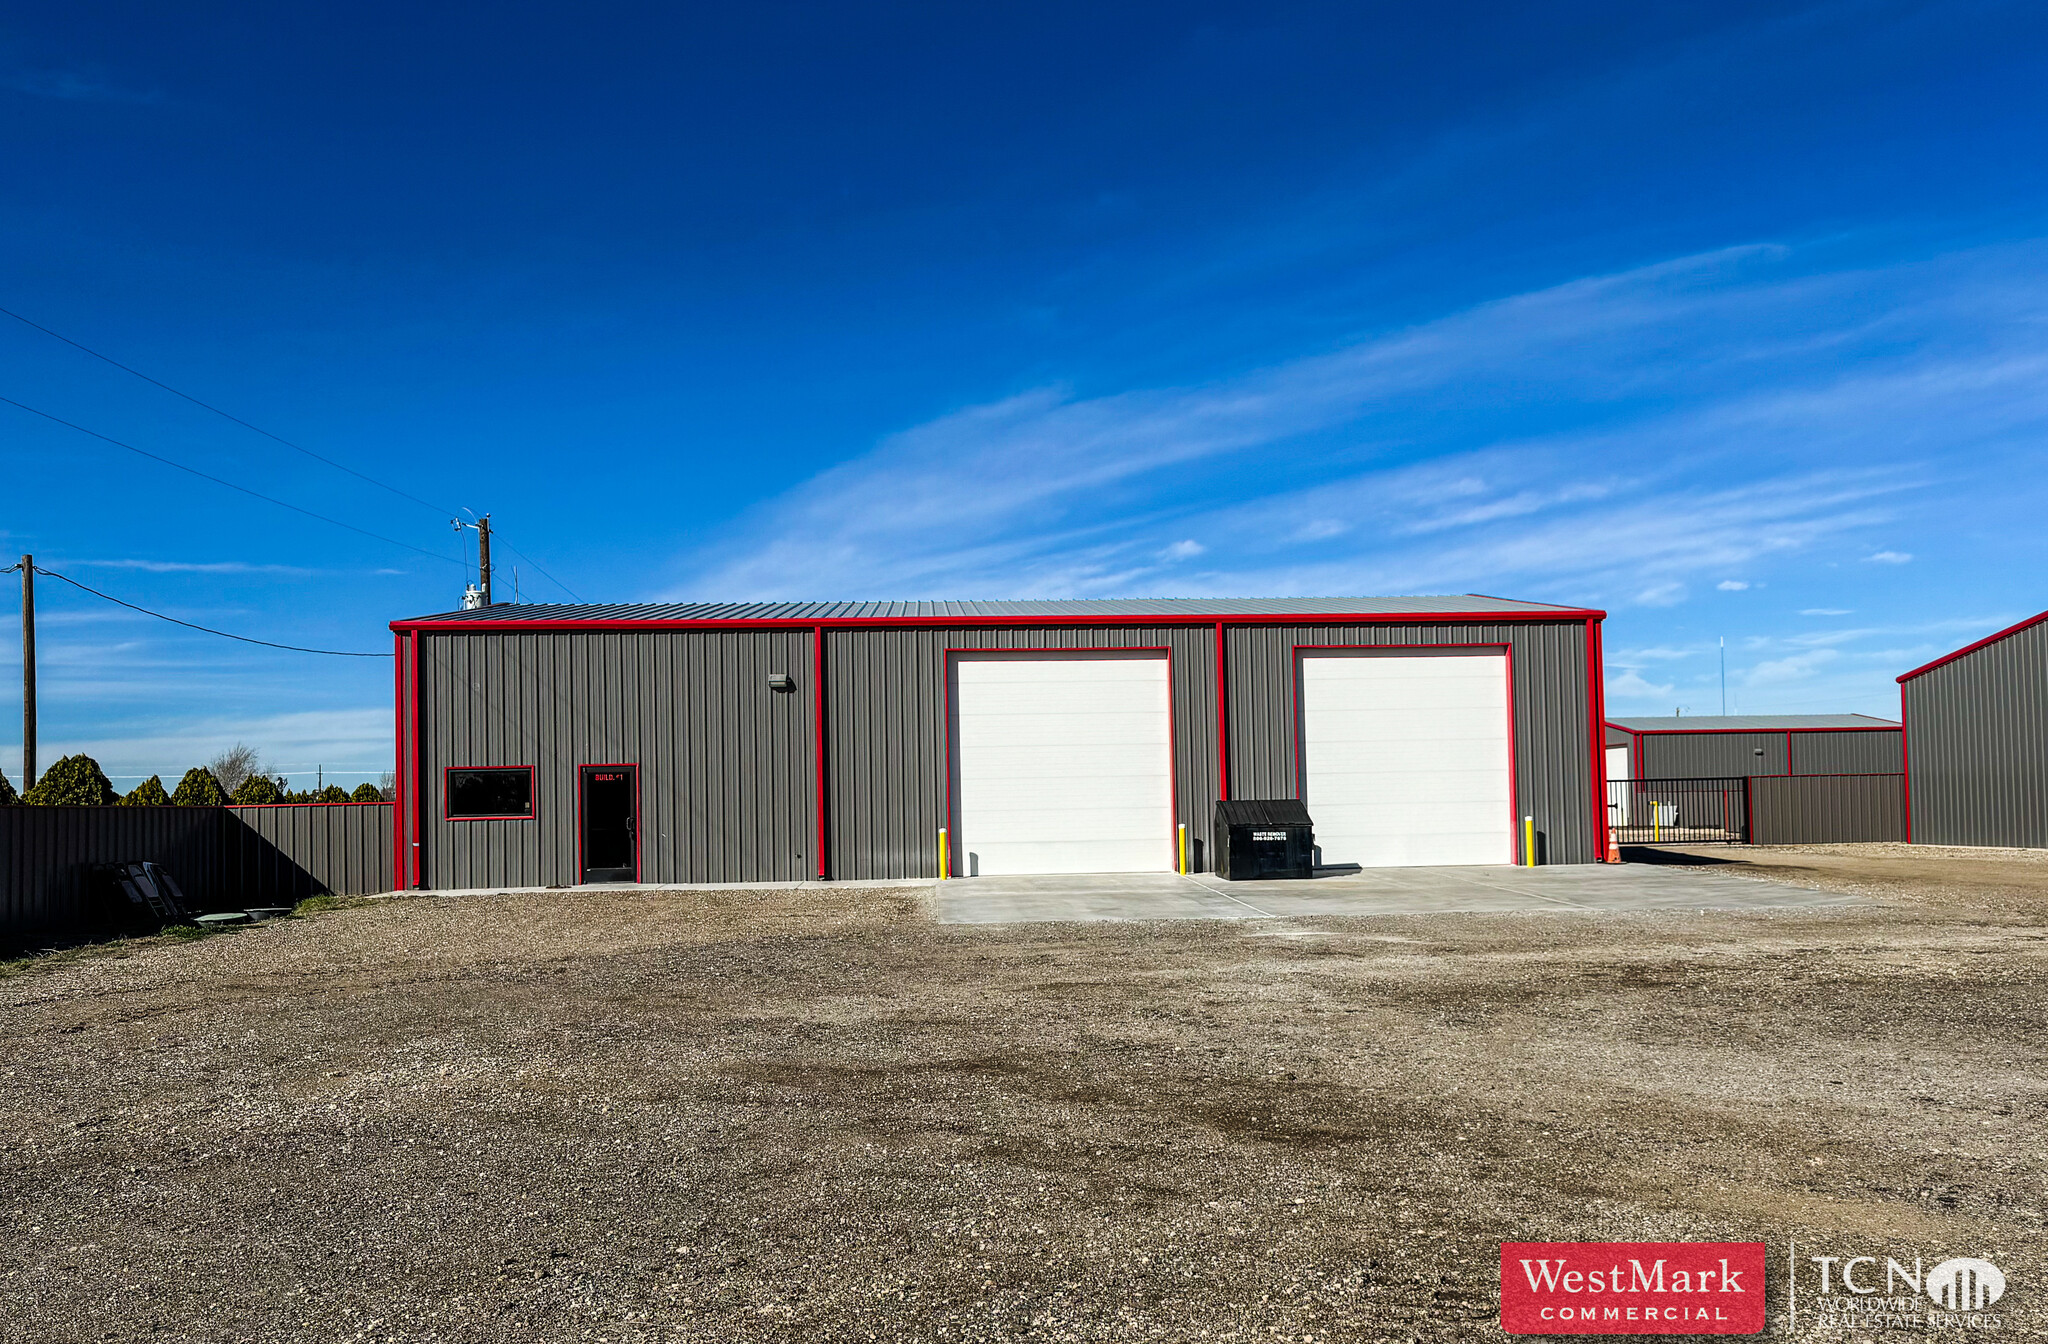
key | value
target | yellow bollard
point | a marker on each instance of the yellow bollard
(1183, 849)
(1528, 842)
(945, 856)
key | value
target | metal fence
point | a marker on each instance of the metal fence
(1678, 811)
(1758, 809)
(221, 857)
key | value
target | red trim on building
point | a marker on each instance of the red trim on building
(1968, 649)
(948, 657)
(251, 807)
(412, 743)
(580, 767)
(398, 762)
(1905, 764)
(818, 739)
(532, 793)
(1596, 710)
(1222, 716)
(512, 626)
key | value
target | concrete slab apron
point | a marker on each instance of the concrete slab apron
(1378, 891)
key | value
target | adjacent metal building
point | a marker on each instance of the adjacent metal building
(1977, 742)
(1739, 746)
(787, 741)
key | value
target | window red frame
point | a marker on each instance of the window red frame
(532, 795)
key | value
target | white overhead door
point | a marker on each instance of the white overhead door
(1062, 764)
(1406, 759)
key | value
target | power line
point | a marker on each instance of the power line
(108, 359)
(536, 564)
(242, 489)
(290, 648)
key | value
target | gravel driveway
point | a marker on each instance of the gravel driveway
(820, 1115)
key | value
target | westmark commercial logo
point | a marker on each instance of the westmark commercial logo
(1632, 1287)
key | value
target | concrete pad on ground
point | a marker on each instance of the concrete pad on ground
(1622, 888)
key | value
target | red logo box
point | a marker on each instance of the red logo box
(1632, 1287)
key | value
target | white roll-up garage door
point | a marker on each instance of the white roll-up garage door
(1406, 758)
(1062, 764)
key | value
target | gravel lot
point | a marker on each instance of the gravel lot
(818, 1115)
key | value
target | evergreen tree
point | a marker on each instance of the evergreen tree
(258, 789)
(9, 798)
(365, 793)
(333, 793)
(199, 789)
(149, 793)
(74, 781)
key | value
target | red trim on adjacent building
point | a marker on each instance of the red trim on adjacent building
(1301, 730)
(412, 743)
(1107, 621)
(1905, 764)
(581, 766)
(1968, 649)
(532, 794)
(818, 740)
(250, 807)
(948, 657)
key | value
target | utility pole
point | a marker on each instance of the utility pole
(1724, 676)
(483, 555)
(28, 673)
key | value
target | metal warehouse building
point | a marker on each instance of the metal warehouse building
(542, 745)
(1977, 741)
(1737, 745)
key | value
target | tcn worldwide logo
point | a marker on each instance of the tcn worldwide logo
(1893, 1292)
(1632, 1287)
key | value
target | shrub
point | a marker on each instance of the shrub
(149, 793)
(365, 793)
(74, 781)
(199, 789)
(234, 766)
(257, 789)
(333, 793)
(8, 797)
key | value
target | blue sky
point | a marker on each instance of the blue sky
(1732, 320)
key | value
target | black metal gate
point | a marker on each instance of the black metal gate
(1678, 811)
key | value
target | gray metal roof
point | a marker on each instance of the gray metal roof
(1756, 723)
(1182, 607)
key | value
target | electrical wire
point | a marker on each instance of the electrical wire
(242, 489)
(275, 438)
(290, 648)
(258, 429)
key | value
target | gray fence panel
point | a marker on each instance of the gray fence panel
(1824, 809)
(284, 853)
(47, 853)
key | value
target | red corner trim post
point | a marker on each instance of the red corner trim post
(1905, 762)
(1596, 710)
(1222, 717)
(818, 739)
(412, 744)
(1968, 649)
(398, 762)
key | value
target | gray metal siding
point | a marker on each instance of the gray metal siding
(724, 762)
(1712, 755)
(1826, 809)
(1977, 745)
(283, 854)
(1861, 753)
(1553, 730)
(885, 733)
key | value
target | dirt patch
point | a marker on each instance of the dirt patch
(817, 1115)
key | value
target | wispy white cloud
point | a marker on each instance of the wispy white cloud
(1826, 611)
(1732, 586)
(1696, 433)
(1890, 558)
(193, 567)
